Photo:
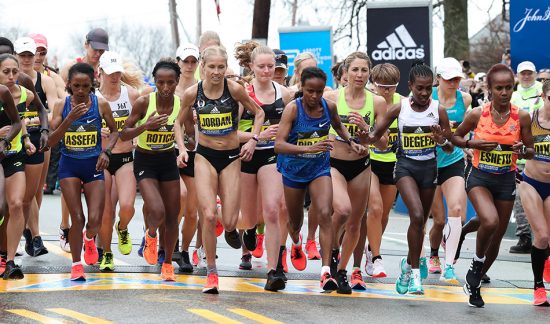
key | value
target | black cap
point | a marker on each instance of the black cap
(281, 60)
(98, 39)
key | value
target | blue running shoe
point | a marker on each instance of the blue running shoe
(449, 275)
(402, 283)
(415, 285)
(423, 268)
(141, 246)
(161, 257)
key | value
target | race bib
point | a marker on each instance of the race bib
(498, 160)
(416, 140)
(160, 139)
(81, 138)
(542, 148)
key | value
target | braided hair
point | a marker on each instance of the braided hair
(83, 68)
(310, 73)
(167, 63)
(420, 70)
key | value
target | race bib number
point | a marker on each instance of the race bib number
(498, 160)
(160, 139)
(81, 138)
(542, 148)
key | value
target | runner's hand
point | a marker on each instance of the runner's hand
(321, 146)
(77, 111)
(44, 142)
(270, 132)
(30, 149)
(482, 145)
(102, 162)
(248, 150)
(182, 159)
(156, 121)
(356, 119)
(437, 134)
(359, 149)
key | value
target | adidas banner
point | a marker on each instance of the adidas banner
(529, 22)
(399, 34)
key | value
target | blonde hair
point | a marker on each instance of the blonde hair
(132, 74)
(207, 36)
(385, 73)
(297, 62)
(213, 51)
(356, 55)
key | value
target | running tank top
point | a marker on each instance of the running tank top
(273, 113)
(541, 137)
(306, 131)
(40, 91)
(343, 111)
(121, 108)
(415, 131)
(501, 159)
(216, 117)
(387, 155)
(82, 140)
(161, 139)
(455, 113)
(16, 144)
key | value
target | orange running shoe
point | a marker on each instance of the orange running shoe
(77, 273)
(357, 282)
(285, 265)
(259, 251)
(195, 258)
(167, 272)
(298, 257)
(90, 251)
(150, 253)
(540, 298)
(2, 265)
(311, 250)
(546, 273)
(219, 228)
(211, 286)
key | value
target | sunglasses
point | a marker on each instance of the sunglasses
(41, 53)
(388, 86)
(542, 79)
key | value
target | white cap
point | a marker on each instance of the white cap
(186, 50)
(110, 62)
(449, 68)
(479, 76)
(24, 44)
(526, 66)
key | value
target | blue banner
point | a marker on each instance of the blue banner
(529, 30)
(316, 40)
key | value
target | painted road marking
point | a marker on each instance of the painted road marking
(111, 281)
(253, 316)
(212, 316)
(35, 316)
(79, 316)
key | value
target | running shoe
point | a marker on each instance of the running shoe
(12, 271)
(378, 269)
(369, 265)
(475, 299)
(90, 250)
(77, 273)
(64, 240)
(167, 272)
(202, 258)
(2, 265)
(161, 256)
(141, 246)
(232, 238)
(28, 242)
(312, 251)
(546, 273)
(357, 282)
(285, 265)
(249, 239)
(38, 246)
(211, 286)
(485, 279)
(1, 220)
(275, 281)
(434, 265)
(246, 263)
(328, 283)
(415, 285)
(402, 283)
(100, 254)
(259, 251)
(298, 257)
(334, 263)
(540, 298)
(449, 275)
(343, 284)
(219, 228)
(423, 268)
(124, 240)
(185, 265)
(150, 253)
(195, 258)
(473, 276)
(107, 263)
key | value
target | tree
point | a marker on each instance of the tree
(455, 25)
(260, 20)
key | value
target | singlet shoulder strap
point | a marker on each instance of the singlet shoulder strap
(38, 84)
(23, 97)
(278, 90)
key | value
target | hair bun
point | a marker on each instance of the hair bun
(417, 62)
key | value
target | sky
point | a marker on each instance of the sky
(234, 25)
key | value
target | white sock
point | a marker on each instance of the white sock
(422, 252)
(325, 269)
(299, 243)
(77, 263)
(416, 273)
(476, 258)
(453, 228)
(87, 239)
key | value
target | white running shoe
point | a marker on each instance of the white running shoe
(202, 258)
(378, 269)
(369, 266)
(64, 240)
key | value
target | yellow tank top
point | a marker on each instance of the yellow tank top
(343, 111)
(16, 145)
(387, 155)
(161, 139)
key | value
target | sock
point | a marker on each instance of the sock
(454, 230)
(77, 263)
(86, 238)
(416, 272)
(476, 258)
(368, 247)
(356, 268)
(422, 251)
(280, 258)
(260, 229)
(299, 243)
(434, 252)
(538, 256)
(325, 269)
(210, 270)
(376, 257)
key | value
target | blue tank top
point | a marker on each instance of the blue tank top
(306, 131)
(82, 140)
(455, 113)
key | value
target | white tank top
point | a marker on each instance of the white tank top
(415, 131)
(121, 107)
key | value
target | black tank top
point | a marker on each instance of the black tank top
(216, 117)
(40, 91)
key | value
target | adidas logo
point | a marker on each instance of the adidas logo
(80, 129)
(214, 111)
(398, 45)
(267, 123)
(419, 131)
(115, 115)
(547, 138)
(163, 129)
(314, 135)
(431, 114)
(498, 148)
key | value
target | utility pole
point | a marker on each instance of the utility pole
(199, 22)
(260, 20)
(174, 23)
(294, 10)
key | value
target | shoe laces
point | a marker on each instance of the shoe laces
(436, 262)
(405, 278)
(475, 293)
(246, 258)
(168, 270)
(356, 276)
(124, 236)
(108, 257)
(343, 277)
